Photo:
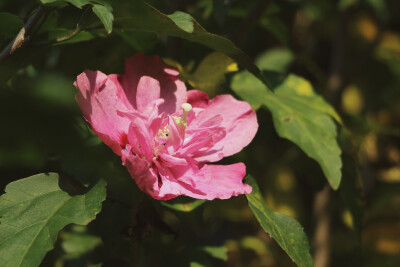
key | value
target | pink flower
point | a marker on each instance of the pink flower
(165, 134)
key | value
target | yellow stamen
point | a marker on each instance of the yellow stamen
(181, 121)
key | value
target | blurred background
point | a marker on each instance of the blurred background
(348, 49)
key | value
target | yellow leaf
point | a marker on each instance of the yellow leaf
(174, 64)
(210, 73)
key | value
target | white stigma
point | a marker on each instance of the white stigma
(186, 107)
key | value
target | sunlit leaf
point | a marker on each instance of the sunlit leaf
(33, 210)
(210, 74)
(287, 232)
(183, 21)
(300, 116)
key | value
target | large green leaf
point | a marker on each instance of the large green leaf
(143, 17)
(287, 232)
(104, 13)
(300, 116)
(139, 40)
(34, 210)
(101, 8)
(77, 3)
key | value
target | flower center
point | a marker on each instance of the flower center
(163, 134)
(180, 122)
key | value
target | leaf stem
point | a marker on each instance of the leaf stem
(23, 35)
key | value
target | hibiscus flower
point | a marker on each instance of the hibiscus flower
(166, 135)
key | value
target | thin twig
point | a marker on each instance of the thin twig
(323, 228)
(58, 39)
(23, 35)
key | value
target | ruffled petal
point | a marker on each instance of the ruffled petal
(100, 98)
(149, 78)
(239, 121)
(145, 177)
(139, 138)
(204, 181)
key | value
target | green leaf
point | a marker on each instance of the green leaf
(143, 17)
(216, 252)
(101, 8)
(345, 4)
(183, 204)
(183, 21)
(105, 15)
(277, 59)
(33, 210)
(77, 242)
(139, 40)
(10, 25)
(287, 232)
(277, 27)
(77, 3)
(300, 116)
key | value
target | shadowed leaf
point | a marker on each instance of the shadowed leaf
(33, 210)
(287, 232)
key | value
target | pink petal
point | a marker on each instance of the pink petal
(239, 121)
(170, 161)
(149, 78)
(205, 182)
(139, 137)
(100, 98)
(198, 99)
(223, 181)
(145, 177)
(202, 141)
(174, 136)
